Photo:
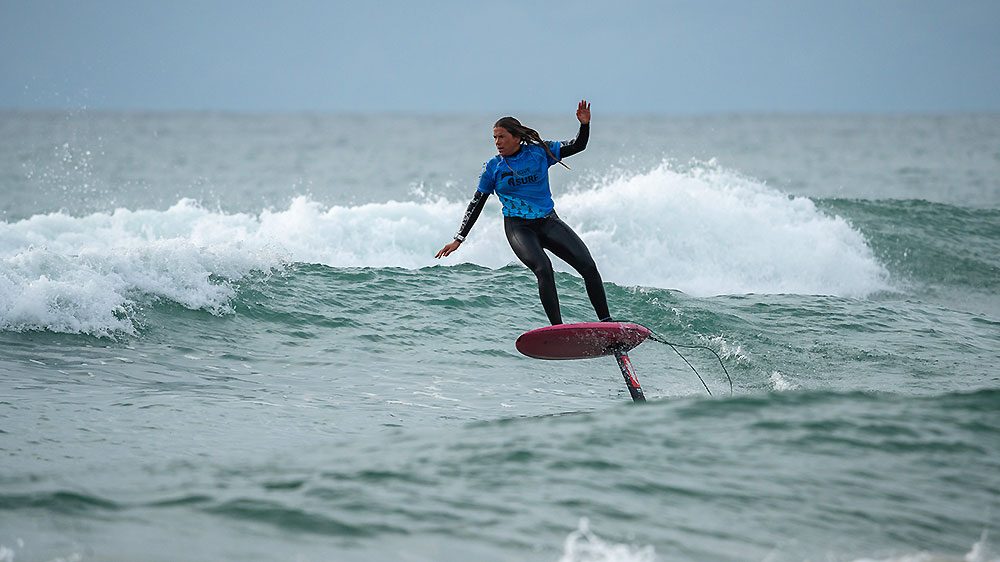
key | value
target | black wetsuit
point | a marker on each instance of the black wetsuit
(530, 237)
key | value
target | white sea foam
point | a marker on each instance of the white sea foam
(709, 231)
(582, 545)
(82, 274)
(780, 384)
(704, 231)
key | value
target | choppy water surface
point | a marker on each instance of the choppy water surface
(226, 337)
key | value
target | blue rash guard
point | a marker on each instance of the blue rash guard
(521, 181)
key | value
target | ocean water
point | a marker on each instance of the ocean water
(225, 337)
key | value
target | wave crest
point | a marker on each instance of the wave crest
(704, 230)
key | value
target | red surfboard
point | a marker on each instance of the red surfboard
(582, 340)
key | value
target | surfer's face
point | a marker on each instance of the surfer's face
(507, 144)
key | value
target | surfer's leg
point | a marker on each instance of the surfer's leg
(524, 241)
(564, 243)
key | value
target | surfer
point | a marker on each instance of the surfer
(519, 175)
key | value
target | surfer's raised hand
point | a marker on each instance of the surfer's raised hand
(448, 248)
(583, 112)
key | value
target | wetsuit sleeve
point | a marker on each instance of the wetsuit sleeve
(575, 146)
(487, 185)
(471, 214)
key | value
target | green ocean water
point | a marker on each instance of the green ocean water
(224, 337)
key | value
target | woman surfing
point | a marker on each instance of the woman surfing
(519, 175)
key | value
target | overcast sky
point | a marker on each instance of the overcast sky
(678, 57)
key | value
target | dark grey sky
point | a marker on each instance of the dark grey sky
(698, 56)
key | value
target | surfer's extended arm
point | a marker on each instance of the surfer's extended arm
(471, 214)
(575, 146)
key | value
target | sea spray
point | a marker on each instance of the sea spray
(704, 231)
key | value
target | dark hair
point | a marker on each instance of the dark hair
(526, 134)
